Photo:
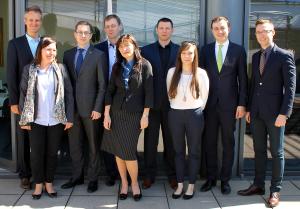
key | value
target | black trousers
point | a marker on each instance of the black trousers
(44, 144)
(215, 118)
(157, 118)
(23, 151)
(85, 128)
(186, 128)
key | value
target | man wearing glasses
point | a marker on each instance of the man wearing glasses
(225, 63)
(86, 66)
(272, 92)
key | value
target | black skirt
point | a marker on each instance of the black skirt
(122, 139)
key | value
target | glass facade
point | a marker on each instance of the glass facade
(286, 18)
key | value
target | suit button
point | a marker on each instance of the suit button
(260, 83)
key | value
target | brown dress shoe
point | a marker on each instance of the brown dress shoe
(173, 184)
(147, 183)
(252, 190)
(274, 199)
(25, 184)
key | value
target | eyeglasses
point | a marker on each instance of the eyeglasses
(263, 32)
(81, 33)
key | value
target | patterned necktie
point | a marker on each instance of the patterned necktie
(79, 61)
(262, 61)
(220, 58)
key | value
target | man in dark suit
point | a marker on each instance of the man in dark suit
(21, 52)
(225, 63)
(112, 27)
(86, 66)
(272, 92)
(162, 56)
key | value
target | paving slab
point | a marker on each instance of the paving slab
(56, 184)
(10, 186)
(8, 200)
(144, 203)
(236, 185)
(289, 202)
(156, 190)
(102, 190)
(92, 202)
(197, 202)
(288, 189)
(26, 201)
(240, 202)
(296, 183)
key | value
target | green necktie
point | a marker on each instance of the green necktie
(220, 58)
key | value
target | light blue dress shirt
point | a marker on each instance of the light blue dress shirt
(33, 43)
(86, 47)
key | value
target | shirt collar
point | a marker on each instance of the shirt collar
(166, 46)
(110, 44)
(269, 48)
(225, 44)
(86, 47)
(29, 38)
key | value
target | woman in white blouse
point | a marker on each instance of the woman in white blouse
(188, 87)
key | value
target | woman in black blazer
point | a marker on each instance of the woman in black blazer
(127, 102)
(46, 105)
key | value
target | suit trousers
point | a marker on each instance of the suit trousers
(186, 127)
(23, 151)
(260, 129)
(85, 127)
(215, 118)
(157, 118)
(44, 144)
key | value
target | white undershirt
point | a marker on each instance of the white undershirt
(184, 90)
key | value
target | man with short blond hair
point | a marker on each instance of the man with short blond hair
(273, 85)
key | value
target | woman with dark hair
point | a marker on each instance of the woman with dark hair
(127, 102)
(46, 106)
(187, 86)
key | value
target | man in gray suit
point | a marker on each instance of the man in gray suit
(86, 66)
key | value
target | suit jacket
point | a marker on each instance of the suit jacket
(89, 86)
(18, 55)
(273, 92)
(227, 89)
(138, 96)
(103, 46)
(151, 53)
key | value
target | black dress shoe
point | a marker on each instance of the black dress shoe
(208, 185)
(110, 181)
(177, 196)
(123, 196)
(137, 197)
(225, 188)
(72, 183)
(52, 194)
(92, 186)
(188, 196)
(25, 184)
(252, 190)
(36, 196)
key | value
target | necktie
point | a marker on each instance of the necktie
(79, 61)
(220, 58)
(262, 61)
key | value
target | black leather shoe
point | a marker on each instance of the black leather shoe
(123, 196)
(36, 196)
(188, 196)
(137, 197)
(72, 183)
(25, 184)
(225, 187)
(110, 181)
(52, 195)
(92, 186)
(252, 190)
(208, 185)
(177, 196)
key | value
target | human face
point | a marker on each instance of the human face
(264, 34)
(187, 55)
(164, 31)
(127, 50)
(83, 35)
(33, 22)
(112, 29)
(49, 53)
(220, 31)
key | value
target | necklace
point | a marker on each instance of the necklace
(184, 88)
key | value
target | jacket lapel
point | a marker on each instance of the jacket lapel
(86, 59)
(27, 47)
(213, 58)
(226, 60)
(72, 60)
(268, 64)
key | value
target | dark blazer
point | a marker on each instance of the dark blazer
(103, 46)
(273, 93)
(68, 92)
(89, 86)
(229, 87)
(140, 92)
(151, 53)
(18, 55)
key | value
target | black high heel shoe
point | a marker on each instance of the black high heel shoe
(188, 196)
(137, 197)
(123, 196)
(52, 195)
(36, 196)
(177, 196)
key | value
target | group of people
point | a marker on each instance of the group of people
(108, 93)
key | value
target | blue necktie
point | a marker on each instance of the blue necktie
(79, 61)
